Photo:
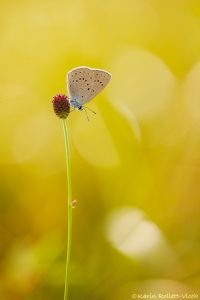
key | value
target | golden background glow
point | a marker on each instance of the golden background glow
(136, 164)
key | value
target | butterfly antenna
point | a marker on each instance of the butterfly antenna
(94, 112)
(86, 114)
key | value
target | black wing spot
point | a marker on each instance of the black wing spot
(87, 83)
(73, 80)
(82, 96)
(102, 84)
(77, 80)
(88, 89)
(85, 80)
(97, 80)
(82, 78)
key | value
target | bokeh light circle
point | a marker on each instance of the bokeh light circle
(142, 82)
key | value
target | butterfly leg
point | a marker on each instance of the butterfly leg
(72, 110)
(86, 114)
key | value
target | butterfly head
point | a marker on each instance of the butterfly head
(76, 104)
(80, 107)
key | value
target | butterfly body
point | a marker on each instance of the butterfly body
(84, 84)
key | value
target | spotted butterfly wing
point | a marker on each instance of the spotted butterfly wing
(85, 83)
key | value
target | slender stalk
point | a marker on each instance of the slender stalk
(69, 210)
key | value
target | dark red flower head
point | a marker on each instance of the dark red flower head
(61, 106)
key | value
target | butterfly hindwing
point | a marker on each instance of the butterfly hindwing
(101, 79)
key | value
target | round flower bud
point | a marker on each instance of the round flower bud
(74, 202)
(61, 106)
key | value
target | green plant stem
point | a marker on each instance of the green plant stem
(69, 209)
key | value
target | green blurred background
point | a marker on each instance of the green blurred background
(136, 164)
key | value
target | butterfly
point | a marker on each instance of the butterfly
(84, 84)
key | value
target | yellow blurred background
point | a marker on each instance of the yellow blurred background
(136, 164)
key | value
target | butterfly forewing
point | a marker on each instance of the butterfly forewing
(85, 83)
(79, 83)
